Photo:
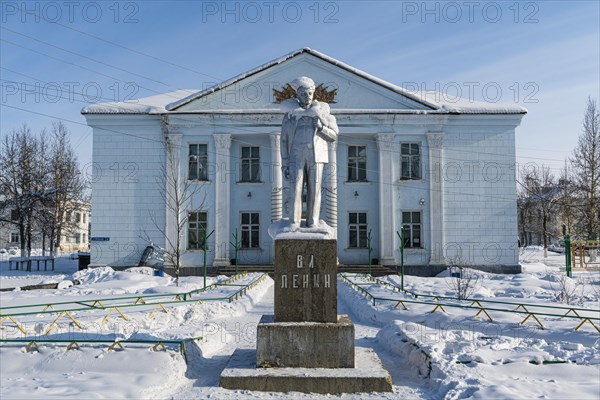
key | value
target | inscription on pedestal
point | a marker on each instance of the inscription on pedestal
(305, 280)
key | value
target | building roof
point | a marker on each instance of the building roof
(432, 101)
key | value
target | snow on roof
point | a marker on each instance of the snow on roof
(458, 105)
(146, 105)
(435, 101)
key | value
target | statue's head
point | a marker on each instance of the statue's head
(305, 90)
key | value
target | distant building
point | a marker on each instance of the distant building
(442, 168)
(75, 234)
(9, 233)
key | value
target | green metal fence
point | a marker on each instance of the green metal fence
(65, 309)
(482, 306)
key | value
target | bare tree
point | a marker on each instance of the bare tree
(567, 201)
(66, 183)
(585, 162)
(179, 195)
(17, 182)
(568, 290)
(525, 209)
(464, 281)
(541, 195)
(38, 175)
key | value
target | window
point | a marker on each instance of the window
(410, 154)
(357, 230)
(78, 238)
(14, 215)
(198, 162)
(14, 237)
(68, 217)
(84, 218)
(250, 164)
(83, 238)
(357, 163)
(78, 217)
(250, 230)
(196, 230)
(411, 222)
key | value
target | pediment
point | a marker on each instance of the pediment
(253, 90)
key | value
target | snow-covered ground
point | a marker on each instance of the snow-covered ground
(448, 354)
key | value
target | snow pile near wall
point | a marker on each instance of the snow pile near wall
(93, 275)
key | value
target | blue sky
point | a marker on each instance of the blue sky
(543, 55)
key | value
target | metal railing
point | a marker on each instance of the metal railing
(112, 304)
(480, 305)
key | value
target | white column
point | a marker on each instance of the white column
(436, 197)
(331, 188)
(385, 145)
(276, 178)
(222, 210)
(172, 178)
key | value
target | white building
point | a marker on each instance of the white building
(75, 234)
(441, 168)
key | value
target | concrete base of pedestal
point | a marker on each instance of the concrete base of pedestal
(305, 344)
(369, 375)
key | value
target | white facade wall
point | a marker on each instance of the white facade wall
(475, 179)
(480, 210)
(128, 155)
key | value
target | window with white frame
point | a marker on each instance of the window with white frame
(357, 163)
(250, 164)
(198, 162)
(410, 160)
(78, 217)
(411, 222)
(84, 218)
(250, 230)
(196, 230)
(78, 238)
(14, 237)
(357, 230)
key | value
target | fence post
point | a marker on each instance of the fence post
(204, 262)
(236, 245)
(568, 256)
(370, 249)
(401, 236)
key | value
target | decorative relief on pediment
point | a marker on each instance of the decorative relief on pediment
(321, 94)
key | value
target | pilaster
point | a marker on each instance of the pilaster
(276, 178)
(222, 201)
(435, 142)
(385, 146)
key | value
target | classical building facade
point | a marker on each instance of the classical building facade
(440, 170)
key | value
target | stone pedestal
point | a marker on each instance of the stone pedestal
(305, 280)
(305, 344)
(368, 376)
